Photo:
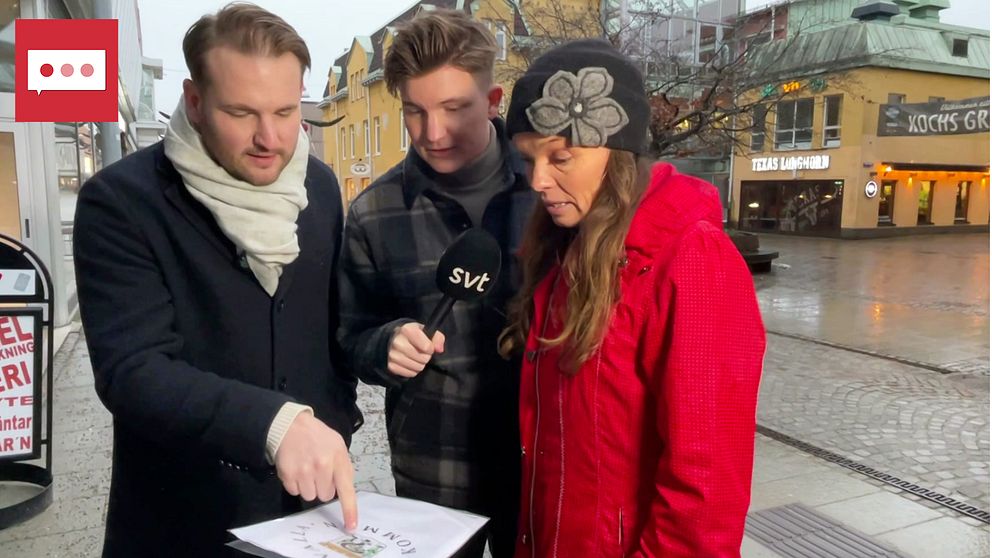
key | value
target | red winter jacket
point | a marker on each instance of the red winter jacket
(648, 450)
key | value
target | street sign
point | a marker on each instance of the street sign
(20, 383)
(26, 310)
(360, 169)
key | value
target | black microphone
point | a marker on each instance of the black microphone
(467, 271)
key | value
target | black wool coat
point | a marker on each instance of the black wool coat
(194, 359)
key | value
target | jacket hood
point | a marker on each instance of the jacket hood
(672, 203)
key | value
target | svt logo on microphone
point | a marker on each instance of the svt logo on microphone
(464, 278)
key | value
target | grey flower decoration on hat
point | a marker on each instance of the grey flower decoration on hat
(581, 101)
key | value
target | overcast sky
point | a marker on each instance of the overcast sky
(328, 27)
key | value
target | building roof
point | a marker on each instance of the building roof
(902, 43)
(341, 62)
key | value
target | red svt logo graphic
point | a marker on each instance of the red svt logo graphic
(65, 70)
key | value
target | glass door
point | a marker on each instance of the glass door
(926, 203)
(15, 196)
(886, 202)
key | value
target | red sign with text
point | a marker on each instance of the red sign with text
(18, 414)
(65, 70)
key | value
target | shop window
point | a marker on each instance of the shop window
(10, 212)
(961, 204)
(925, 207)
(794, 124)
(886, 202)
(349, 189)
(936, 99)
(831, 121)
(797, 206)
(897, 98)
(760, 116)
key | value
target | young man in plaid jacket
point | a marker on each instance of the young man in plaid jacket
(450, 401)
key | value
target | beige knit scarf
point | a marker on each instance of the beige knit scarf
(259, 220)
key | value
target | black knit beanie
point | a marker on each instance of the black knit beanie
(585, 91)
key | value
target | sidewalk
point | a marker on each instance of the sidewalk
(73, 525)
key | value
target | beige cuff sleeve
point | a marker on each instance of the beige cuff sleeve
(280, 425)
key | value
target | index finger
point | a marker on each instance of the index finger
(346, 495)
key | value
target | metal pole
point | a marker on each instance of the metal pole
(110, 132)
(368, 136)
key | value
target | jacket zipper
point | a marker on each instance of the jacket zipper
(620, 530)
(537, 422)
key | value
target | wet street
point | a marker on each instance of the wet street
(922, 298)
(878, 352)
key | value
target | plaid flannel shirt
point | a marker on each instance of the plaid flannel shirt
(453, 430)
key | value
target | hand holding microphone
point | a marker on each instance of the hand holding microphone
(468, 270)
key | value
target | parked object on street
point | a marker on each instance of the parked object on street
(759, 261)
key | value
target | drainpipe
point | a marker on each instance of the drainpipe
(368, 113)
(110, 132)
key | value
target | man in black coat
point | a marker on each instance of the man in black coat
(206, 270)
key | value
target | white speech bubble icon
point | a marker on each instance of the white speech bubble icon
(67, 70)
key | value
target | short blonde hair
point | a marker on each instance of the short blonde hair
(437, 38)
(246, 28)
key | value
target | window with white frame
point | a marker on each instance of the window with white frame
(351, 132)
(344, 143)
(377, 130)
(404, 135)
(831, 120)
(794, 124)
(368, 143)
(500, 41)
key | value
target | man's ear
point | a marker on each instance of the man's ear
(194, 102)
(494, 96)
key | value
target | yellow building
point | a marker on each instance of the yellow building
(874, 128)
(370, 137)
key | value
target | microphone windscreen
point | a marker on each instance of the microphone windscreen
(470, 266)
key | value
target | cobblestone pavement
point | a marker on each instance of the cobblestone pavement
(920, 298)
(927, 428)
(923, 299)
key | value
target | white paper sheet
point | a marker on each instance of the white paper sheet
(388, 527)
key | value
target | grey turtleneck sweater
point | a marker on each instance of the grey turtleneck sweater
(476, 183)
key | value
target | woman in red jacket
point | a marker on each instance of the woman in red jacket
(639, 327)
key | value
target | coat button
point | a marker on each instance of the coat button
(531, 356)
(524, 538)
(281, 305)
(282, 384)
(523, 450)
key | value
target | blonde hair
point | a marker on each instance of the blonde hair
(246, 28)
(591, 259)
(434, 39)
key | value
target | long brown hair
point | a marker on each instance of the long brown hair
(590, 256)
